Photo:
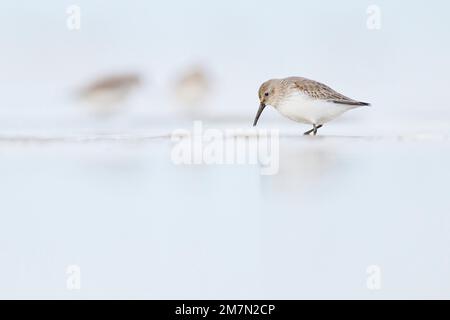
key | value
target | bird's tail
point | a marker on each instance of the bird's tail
(351, 103)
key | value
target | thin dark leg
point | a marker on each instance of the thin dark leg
(316, 127)
(313, 130)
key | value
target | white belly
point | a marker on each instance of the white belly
(304, 109)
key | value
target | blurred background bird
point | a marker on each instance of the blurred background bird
(108, 95)
(192, 88)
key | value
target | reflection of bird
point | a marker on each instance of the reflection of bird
(107, 94)
(192, 89)
(304, 101)
(303, 166)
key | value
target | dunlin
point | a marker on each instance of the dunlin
(305, 101)
(107, 93)
(192, 89)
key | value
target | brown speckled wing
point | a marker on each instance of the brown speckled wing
(317, 90)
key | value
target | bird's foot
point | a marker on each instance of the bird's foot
(313, 130)
(307, 133)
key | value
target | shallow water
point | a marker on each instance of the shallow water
(139, 226)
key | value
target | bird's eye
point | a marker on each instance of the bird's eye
(266, 94)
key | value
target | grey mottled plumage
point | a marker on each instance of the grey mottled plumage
(304, 100)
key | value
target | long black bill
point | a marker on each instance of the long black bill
(258, 114)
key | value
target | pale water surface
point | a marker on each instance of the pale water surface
(138, 226)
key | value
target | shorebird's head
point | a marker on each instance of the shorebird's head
(269, 94)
